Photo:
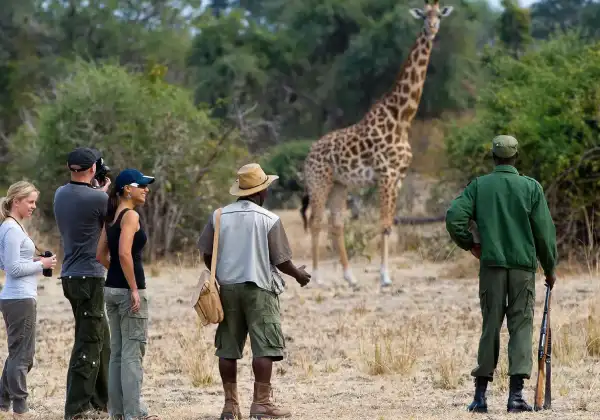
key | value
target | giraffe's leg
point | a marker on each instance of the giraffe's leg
(337, 207)
(318, 204)
(388, 193)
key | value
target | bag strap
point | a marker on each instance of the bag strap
(213, 263)
(40, 253)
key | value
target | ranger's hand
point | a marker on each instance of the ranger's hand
(550, 280)
(476, 251)
(303, 277)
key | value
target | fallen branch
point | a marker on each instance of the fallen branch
(418, 220)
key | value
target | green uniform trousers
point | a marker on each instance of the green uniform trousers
(249, 311)
(507, 292)
(87, 376)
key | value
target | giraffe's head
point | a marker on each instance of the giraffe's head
(431, 15)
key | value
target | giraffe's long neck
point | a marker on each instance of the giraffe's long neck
(402, 101)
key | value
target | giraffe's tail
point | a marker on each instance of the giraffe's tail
(305, 202)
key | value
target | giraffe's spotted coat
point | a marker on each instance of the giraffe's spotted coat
(375, 150)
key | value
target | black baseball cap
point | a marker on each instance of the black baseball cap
(82, 158)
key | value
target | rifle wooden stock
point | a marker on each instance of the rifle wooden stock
(544, 379)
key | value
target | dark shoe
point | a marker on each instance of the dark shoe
(262, 407)
(231, 409)
(479, 404)
(88, 415)
(516, 403)
(5, 404)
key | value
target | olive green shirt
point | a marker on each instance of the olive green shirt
(513, 220)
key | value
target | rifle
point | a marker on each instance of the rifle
(544, 360)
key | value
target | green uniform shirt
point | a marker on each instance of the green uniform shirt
(513, 220)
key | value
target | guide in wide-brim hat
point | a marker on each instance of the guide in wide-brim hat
(251, 179)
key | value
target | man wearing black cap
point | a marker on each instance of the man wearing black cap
(79, 209)
(515, 230)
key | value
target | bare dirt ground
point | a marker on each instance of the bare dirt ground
(405, 353)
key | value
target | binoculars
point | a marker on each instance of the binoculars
(47, 272)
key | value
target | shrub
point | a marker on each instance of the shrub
(136, 121)
(549, 100)
(287, 161)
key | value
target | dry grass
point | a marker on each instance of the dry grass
(592, 336)
(404, 353)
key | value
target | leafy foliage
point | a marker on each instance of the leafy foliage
(549, 100)
(136, 122)
(515, 24)
(301, 86)
(286, 160)
(552, 16)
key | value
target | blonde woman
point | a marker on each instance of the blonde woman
(18, 298)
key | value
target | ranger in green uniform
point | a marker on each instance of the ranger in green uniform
(515, 229)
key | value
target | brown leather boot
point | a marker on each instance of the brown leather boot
(231, 409)
(262, 407)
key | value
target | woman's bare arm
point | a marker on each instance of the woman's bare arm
(102, 254)
(129, 226)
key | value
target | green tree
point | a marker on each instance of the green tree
(515, 27)
(550, 101)
(300, 86)
(40, 38)
(136, 122)
(287, 161)
(551, 16)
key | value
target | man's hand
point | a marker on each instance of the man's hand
(550, 280)
(302, 276)
(106, 184)
(476, 251)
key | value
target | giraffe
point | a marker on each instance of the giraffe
(373, 151)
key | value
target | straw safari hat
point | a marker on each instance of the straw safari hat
(251, 179)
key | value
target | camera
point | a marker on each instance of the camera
(102, 171)
(47, 272)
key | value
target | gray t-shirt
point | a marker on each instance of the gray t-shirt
(79, 211)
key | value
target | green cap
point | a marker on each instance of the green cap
(504, 146)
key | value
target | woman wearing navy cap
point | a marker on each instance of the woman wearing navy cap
(120, 251)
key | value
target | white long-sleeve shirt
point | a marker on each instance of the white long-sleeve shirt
(16, 260)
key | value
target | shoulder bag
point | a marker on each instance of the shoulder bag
(207, 300)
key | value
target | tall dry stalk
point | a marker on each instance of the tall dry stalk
(391, 351)
(592, 338)
(197, 358)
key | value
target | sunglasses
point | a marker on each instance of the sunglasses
(141, 187)
(136, 185)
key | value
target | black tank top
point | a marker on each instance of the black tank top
(115, 276)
